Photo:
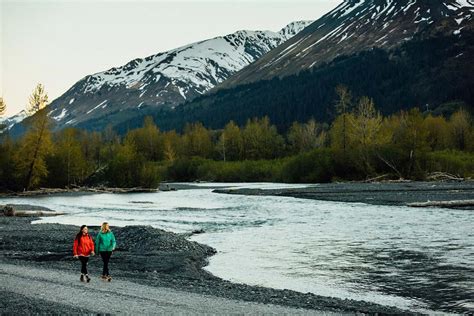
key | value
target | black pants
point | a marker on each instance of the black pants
(83, 264)
(105, 258)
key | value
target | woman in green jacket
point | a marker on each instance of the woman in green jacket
(105, 244)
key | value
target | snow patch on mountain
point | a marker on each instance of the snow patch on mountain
(202, 65)
(8, 122)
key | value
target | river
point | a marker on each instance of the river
(418, 259)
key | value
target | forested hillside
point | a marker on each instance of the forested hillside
(359, 144)
(434, 74)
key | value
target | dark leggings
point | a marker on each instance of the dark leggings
(105, 258)
(83, 264)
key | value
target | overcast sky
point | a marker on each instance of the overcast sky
(58, 42)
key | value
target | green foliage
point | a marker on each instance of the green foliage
(38, 99)
(147, 140)
(8, 172)
(184, 169)
(452, 161)
(261, 140)
(232, 171)
(396, 79)
(197, 141)
(362, 144)
(231, 143)
(460, 130)
(306, 137)
(67, 164)
(315, 166)
(34, 148)
(128, 168)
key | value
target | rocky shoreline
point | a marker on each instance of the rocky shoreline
(147, 256)
(378, 193)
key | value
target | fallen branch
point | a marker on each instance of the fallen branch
(440, 176)
(376, 179)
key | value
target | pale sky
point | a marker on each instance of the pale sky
(58, 42)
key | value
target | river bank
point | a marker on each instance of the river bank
(145, 256)
(379, 193)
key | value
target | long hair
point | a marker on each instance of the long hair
(79, 234)
(105, 227)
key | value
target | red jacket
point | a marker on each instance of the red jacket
(83, 248)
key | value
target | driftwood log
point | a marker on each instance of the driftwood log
(27, 213)
(9, 210)
(443, 176)
(448, 204)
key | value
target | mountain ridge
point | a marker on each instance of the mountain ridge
(167, 78)
(357, 25)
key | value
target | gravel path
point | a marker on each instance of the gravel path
(119, 296)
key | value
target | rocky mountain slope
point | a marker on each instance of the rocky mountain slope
(8, 122)
(401, 53)
(165, 79)
(358, 25)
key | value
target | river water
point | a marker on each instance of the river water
(420, 259)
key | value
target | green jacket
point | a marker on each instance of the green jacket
(105, 242)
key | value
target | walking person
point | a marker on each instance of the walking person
(82, 249)
(105, 244)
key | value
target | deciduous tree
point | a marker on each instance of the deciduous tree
(230, 144)
(36, 143)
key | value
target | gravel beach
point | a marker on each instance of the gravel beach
(380, 193)
(154, 271)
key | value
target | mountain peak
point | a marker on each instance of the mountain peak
(357, 25)
(165, 79)
(294, 28)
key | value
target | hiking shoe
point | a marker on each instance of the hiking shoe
(109, 278)
(103, 278)
(82, 278)
(88, 279)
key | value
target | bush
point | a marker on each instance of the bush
(315, 166)
(452, 161)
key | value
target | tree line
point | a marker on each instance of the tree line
(359, 144)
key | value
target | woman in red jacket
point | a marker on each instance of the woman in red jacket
(83, 248)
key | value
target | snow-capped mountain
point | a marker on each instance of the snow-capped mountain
(165, 79)
(358, 25)
(8, 122)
